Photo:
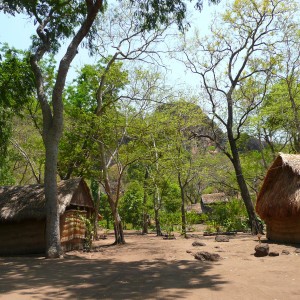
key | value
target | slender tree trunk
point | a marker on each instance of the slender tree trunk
(157, 223)
(145, 212)
(235, 159)
(96, 197)
(118, 228)
(254, 222)
(183, 215)
(295, 133)
(157, 206)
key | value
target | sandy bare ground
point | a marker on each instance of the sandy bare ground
(149, 267)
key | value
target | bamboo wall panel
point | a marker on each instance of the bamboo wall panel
(72, 225)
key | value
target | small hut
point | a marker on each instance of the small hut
(195, 207)
(23, 216)
(278, 202)
(208, 201)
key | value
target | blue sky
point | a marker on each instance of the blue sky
(16, 31)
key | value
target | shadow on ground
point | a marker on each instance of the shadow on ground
(78, 278)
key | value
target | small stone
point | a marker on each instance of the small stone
(217, 247)
(188, 251)
(285, 252)
(261, 250)
(196, 243)
(206, 256)
(222, 238)
(297, 250)
(273, 253)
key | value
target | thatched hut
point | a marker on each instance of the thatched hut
(23, 216)
(278, 202)
(208, 201)
(196, 207)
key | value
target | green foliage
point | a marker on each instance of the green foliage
(230, 216)
(105, 212)
(171, 196)
(16, 90)
(193, 218)
(152, 13)
(131, 204)
(169, 220)
(89, 233)
(58, 18)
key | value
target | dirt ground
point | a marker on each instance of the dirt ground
(149, 267)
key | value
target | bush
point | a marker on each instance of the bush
(231, 216)
(169, 220)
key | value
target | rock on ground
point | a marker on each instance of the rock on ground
(273, 253)
(197, 243)
(261, 250)
(222, 238)
(206, 256)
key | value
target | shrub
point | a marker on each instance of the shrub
(231, 216)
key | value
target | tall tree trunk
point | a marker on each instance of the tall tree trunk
(295, 133)
(254, 222)
(157, 222)
(53, 247)
(96, 197)
(118, 227)
(145, 197)
(183, 215)
(157, 205)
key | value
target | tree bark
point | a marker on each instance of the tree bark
(157, 222)
(254, 222)
(145, 197)
(183, 215)
(118, 228)
(53, 247)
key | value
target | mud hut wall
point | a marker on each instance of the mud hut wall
(286, 230)
(22, 237)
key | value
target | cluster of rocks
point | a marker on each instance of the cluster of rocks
(207, 256)
(262, 250)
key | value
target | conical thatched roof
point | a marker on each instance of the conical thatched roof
(280, 192)
(27, 202)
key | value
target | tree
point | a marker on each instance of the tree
(284, 97)
(181, 153)
(55, 21)
(235, 71)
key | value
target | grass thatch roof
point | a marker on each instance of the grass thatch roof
(214, 198)
(194, 207)
(280, 192)
(26, 202)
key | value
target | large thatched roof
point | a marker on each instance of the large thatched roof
(280, 192)
(27, 202)
(214, 198)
